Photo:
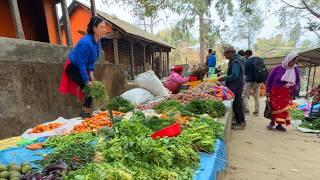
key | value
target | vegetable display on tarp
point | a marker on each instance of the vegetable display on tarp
(313, 124)
(134, 155)
(128, 149)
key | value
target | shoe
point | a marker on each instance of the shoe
(246, 111)
(270, 126)
(237, 126)
(256, 113)
(281, 128)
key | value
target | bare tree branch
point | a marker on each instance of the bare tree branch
(310, 10)
(296, 7)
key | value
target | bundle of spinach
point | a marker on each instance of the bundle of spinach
(75, 155)
(297, 114)
(166, 106)
(312, 124)
(97, 91)
(211, 107)
(119, 104)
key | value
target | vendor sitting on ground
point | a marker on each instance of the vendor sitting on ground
(175, 80)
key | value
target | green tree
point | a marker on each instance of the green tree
(145, 10)
(247, 22)
(303, 12)
(194, 11)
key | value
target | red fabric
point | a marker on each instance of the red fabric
(67, 86)
(193, 78)
(178, 69)
(281, 101)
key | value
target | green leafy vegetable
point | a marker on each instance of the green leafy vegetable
(213, 108)
(97, 91)
(297, 114)
(119, 104)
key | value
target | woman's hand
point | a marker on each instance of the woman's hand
(89, 83)
(92, 78)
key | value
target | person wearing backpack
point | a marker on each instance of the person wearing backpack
(255, 73)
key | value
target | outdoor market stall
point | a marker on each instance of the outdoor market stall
(160, 137)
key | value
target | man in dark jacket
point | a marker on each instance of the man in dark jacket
(235, 82)
(251, 86)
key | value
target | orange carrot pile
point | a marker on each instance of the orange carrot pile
(44, 128)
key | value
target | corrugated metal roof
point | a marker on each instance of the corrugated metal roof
(125, 26)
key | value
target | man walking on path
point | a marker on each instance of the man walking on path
(211, 63)
(251, 86)
(235, 82)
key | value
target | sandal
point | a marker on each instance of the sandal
(241, 126)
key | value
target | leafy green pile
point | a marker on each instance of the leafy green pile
(166, 106)
(155, 123)
(59, 142)
(97, 91)
(201, 133)
(211, 107)
(133, 154)
(75, 155)
(311, 124)
(119, 104)
(297, 114)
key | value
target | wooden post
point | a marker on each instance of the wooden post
(152, 59)
(93, 8)
(132, 61)
(115, 50)
(168, 68)
(144, 58)
(308, 80)
(66, 22)
(161, 64)
(314, 74)
(58, 25)
(16, 18)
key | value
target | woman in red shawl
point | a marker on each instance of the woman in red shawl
(79, 67)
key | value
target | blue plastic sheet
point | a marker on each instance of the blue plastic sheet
(19, 155)
(211, 164)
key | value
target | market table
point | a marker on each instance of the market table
(210, 164)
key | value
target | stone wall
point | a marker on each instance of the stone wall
(29, 79)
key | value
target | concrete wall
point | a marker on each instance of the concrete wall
(29, 79)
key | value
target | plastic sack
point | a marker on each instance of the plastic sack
(137, 96)
(149, 81)
(68, 125)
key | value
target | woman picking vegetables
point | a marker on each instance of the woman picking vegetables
(175, 80)
(79, 67)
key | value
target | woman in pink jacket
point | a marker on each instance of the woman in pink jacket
(175, 80)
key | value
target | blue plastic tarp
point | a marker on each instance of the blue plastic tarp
(211, 164)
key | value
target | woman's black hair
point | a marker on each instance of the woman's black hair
(94, 22)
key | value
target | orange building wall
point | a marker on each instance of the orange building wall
(79, 19)
(6, 23)
(51, 21)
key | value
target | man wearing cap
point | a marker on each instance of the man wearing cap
(234, 80)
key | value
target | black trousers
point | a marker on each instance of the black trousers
(74, 74)
(237, 107)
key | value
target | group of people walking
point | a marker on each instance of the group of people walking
(244, 76)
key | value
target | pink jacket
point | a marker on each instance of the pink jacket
(174, 81)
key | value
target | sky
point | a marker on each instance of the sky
(123, 12)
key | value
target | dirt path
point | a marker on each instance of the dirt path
(260, 154)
